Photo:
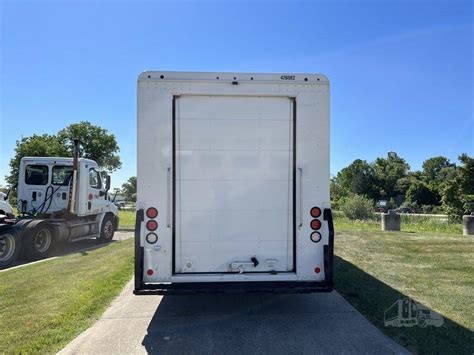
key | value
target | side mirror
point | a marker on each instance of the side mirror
(107, 183)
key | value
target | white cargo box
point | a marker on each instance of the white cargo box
(231, 168)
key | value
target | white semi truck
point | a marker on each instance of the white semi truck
(59, 199)
(233, 183)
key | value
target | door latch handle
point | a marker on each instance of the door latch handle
(238, 266)
(255, 261)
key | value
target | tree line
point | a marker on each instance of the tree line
(440, 186)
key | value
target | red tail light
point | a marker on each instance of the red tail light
(315, 212)
(317, 269)
(152, 212)
(149, 272)
(315, 224)
(152, 225)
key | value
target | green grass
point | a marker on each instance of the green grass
(45, 305)
(409, 223)
(127, 219)
(373, 269)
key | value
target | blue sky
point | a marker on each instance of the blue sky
(401, 71)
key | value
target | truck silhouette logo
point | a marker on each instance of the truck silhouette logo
(408, 313)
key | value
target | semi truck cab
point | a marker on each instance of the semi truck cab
(44, 186)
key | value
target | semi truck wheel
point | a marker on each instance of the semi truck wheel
(107, 229)
(422, 322)
(10, 246)
(38, 242)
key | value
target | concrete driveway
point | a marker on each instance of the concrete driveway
(232, 324)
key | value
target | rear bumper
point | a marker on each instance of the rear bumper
(275, 287)
(327, 285)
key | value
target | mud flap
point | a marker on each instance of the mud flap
(138, 251)
(329, 250)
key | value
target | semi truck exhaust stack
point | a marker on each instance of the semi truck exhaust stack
(73, 190)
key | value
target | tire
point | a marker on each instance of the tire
(38, 242)
(10, 246)
(107, 229)
(422, 322)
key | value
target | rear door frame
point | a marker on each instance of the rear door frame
(173, 193)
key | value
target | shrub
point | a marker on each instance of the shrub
(413, 206)
(426, 209)
(357, 207)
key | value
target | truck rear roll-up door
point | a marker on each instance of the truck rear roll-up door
(233, 184)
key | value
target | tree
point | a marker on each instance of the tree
(358, 178)
(337, 193)
(436, 172)
(129, 189)
(420, 193)
(35, 146)
(388, 172)
(433, 168)
(403, 184)
(458, 191)
(96, 144)
(466, 174)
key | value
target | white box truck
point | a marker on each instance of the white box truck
(233, 183)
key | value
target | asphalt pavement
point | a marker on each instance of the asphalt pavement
(232, 324)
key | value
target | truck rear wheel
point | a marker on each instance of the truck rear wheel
(39, 242)
(107, 229)
(422, 322)
(10, 246)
